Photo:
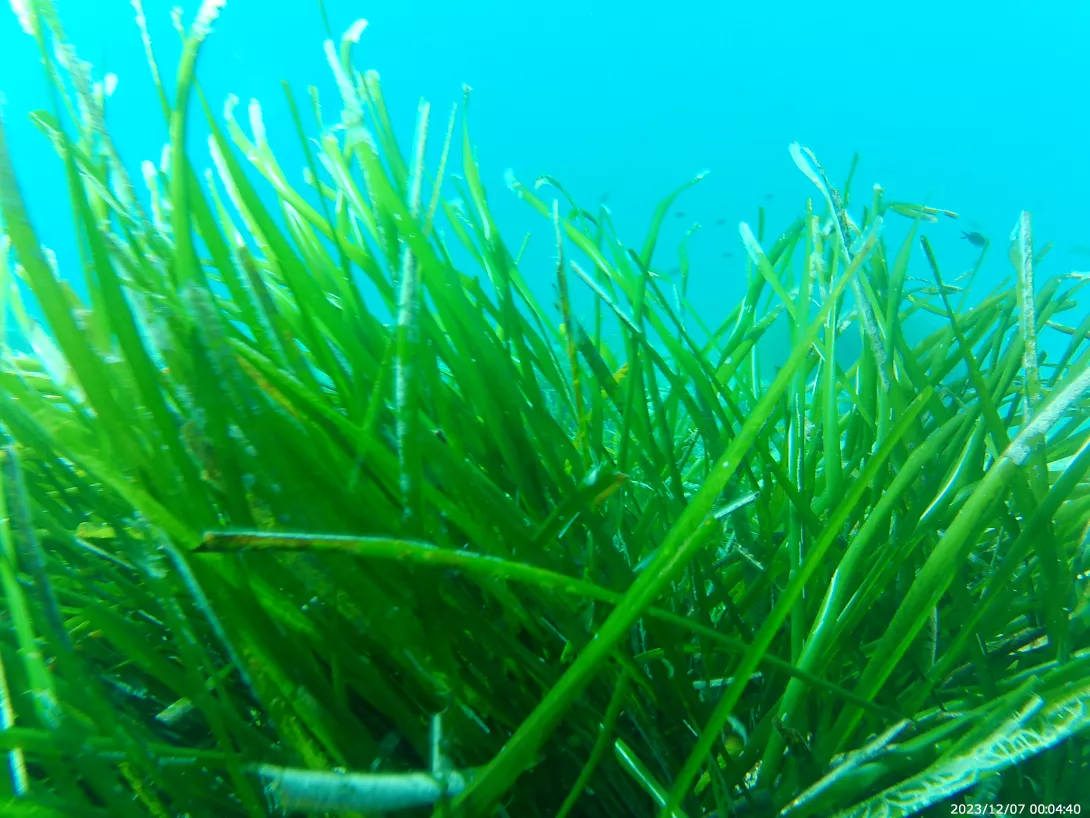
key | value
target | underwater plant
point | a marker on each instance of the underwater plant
(299, 515)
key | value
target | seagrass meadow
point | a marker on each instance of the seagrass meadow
(310, 507)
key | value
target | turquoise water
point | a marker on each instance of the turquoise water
(979, 107)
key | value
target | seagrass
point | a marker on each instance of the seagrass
(312, 506)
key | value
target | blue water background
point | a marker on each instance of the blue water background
(978, 107)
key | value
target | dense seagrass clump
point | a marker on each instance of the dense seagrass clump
(310, 506)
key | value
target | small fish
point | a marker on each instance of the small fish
(792, 737)
(720, 222)
(727, 254)
(974, 238)
(679, 215)
(769, 197)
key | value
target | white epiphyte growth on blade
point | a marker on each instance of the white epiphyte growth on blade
(107, 87)
(801, 157)
(354, 31)
(230, 229)
(145, 39)
(151, 181)
(749, 242)
(843, 226)
(23, 14)
(257, 125)
(207, 14)
(236, 132)
(1049, 415)
(341, 67)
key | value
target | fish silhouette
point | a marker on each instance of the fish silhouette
(974, 238)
